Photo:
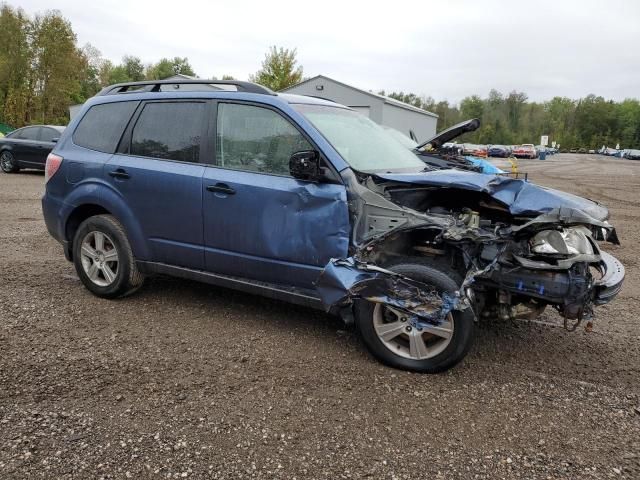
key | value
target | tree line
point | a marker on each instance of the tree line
(510, 119)
(43, 71)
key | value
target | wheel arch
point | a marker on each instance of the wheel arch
(79, 215)
(98, 199)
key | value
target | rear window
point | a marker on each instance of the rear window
(102, 126)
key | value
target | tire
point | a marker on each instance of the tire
(444, 355)
(104, 273)
(8, 163)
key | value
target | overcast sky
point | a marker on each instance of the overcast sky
(445, 49)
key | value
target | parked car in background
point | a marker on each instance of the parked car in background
(500, 151)
(305, 200)
(632, 154)
(474, 150)
(611, 152)
(526, 150)
(28, 147)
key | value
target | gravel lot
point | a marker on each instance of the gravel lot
(185, 380)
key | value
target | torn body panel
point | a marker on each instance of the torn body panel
(484, 227)
(342, 281)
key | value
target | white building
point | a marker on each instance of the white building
(412, 121)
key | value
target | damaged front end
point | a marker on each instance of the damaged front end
(513, 247)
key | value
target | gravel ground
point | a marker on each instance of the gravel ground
(183, 380)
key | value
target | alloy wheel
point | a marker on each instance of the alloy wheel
(100, 259)
(6, 162)
(416, 341)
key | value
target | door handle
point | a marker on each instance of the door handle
(119, 173)
(221, 188)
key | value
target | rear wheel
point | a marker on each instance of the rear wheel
(103, 258)
(394, 340)
(8, 163)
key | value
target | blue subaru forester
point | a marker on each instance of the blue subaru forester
(304, 200)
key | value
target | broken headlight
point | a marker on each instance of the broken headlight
(570, 241)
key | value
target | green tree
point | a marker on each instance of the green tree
(15, 66)
(279, 69)
(133, 68)
(168, 67)
(58, 67)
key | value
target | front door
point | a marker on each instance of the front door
(26, 146)
(159, 173)
(259, 222)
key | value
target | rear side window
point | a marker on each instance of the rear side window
(102, 126)
(256, 139)
(169, 130)
(48, 134)
(27, 133)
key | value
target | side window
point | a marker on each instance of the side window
(28, 133)
(48, 134)
(256, 139)
(14, 134)
(102, 126)
(169, 130)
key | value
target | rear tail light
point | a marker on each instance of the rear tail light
(53, 164)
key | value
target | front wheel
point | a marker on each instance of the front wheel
(8, 163)
(391, 338)
(103, 258)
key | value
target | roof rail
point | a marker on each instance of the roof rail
(155, 86)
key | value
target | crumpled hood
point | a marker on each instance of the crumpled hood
(522, 198)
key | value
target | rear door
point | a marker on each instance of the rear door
(158, 170)
(259, 222)
(44, 145)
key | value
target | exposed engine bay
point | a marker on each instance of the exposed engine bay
(517, 247)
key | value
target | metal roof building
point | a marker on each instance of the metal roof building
(382, 110)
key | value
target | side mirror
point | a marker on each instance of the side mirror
(55, 140)
(305, 165)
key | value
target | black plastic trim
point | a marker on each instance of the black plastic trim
(277, 292)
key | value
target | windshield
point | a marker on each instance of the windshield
(362, 143)
(401, 137)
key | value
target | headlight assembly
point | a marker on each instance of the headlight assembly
(571, 241)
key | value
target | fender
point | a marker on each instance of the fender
(98, 192)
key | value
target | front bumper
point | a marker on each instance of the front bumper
(608, 287)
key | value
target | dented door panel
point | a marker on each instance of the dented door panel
(273, 228)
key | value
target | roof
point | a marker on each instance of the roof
(385, 99)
